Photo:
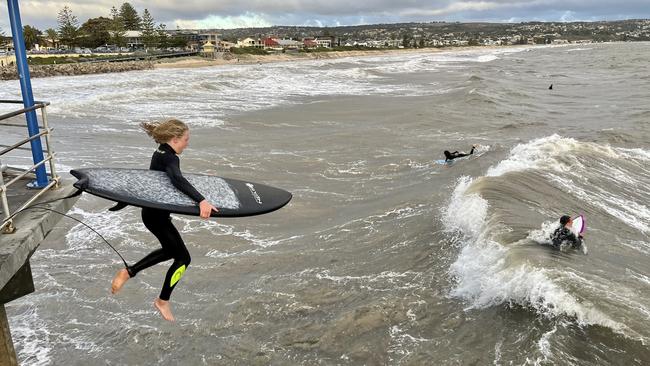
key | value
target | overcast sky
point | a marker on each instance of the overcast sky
(263, 13)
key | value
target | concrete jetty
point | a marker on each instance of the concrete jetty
(32, 227)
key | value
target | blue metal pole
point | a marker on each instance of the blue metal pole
(26, 89)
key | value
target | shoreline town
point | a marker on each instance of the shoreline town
(119, 43)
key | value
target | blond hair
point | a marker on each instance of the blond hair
(163, 131)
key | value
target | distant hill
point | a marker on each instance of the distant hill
(621, 30)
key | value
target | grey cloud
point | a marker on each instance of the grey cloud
(297, 12)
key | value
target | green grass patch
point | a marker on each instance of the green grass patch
(248, 51)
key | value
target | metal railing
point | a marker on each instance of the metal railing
(44, 131)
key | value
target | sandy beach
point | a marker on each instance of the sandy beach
(193, 62)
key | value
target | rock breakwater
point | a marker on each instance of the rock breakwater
(81, 68)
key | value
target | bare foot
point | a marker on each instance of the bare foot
(165, 309)
(118, 281)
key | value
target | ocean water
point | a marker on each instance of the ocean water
(383, 257)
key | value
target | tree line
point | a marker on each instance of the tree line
(100, 31)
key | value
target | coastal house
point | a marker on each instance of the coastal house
(207, 50)
(134, 39)
(385, 43)
(195, 39)
(7, 58)
(324, 42)
(271, 43)
(492, 42)
(309, 43)
(393, 43)
(192, 38)
(289, 44)
(250, 42)
(225, 45)
(274, 43)
(50, 44)
(6, 46)
(211, 37)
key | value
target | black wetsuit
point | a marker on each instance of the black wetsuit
(564, 235)
(159, 223)
(456, 154)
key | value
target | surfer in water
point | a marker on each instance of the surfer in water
(449, 156)
(564, 235)
(173, 137)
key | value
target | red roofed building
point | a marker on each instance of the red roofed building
(310, 43)
(271, 43)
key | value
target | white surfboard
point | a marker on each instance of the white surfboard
(578, 227)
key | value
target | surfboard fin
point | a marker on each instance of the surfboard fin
(118, 206)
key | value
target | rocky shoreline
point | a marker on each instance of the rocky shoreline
(39, 71)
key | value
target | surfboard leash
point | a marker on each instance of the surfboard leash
(78, 192)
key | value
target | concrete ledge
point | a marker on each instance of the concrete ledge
(32, 227)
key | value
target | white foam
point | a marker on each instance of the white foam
(111, 225)
(466, 212)
(487, 58)
(544, 343)
(536, 154)
(384, 281)
(484, 278)
(543, 235)
(635, 154)
(203, 96)
(31, 335)
(558, 159)
(637, 245)
(401, 342)
(638, 276)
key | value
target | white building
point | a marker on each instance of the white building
(7, 58)
(250, 42)
(134, 39)
(289, 44)
(327, 43)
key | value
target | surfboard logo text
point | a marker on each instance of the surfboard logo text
(254, 193)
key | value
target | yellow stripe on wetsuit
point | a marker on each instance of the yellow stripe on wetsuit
(177, 275)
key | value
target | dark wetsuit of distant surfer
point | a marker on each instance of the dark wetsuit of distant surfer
(449, 156)
(173, 136)
(564, 235)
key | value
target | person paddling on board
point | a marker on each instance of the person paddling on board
(563, 234)
(173, 137)
(449, 156)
